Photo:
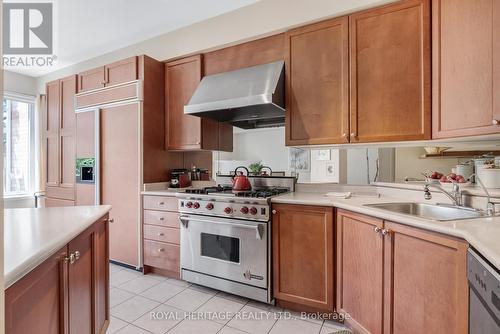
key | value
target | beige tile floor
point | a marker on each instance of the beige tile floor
(155, 304)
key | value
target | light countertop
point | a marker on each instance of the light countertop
(33, 235)
(482, 233)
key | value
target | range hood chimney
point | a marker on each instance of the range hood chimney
(248, 98)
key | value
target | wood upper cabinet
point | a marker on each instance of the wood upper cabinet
(121, 71)
(426, 275)
(303, 251)
(118, 72)
(466, 67)
(360, 268)
(67, 293)
(59, 138)
(390, 73)
(395, 279)
(91, 79)
(185, 132)
(317, 83)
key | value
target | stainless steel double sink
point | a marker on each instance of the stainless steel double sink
(430, 211)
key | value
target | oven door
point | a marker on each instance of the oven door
(226, 248)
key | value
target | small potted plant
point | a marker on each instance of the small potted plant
(255, 168)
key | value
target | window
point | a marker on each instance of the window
(18, 140)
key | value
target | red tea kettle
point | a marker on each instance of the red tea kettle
(240, 180)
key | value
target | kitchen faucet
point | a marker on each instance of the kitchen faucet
(490, 206)
(455, 196)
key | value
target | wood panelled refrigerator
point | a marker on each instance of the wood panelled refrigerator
(122, 128)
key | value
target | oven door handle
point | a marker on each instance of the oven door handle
(259, 228)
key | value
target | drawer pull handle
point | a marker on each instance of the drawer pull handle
(161, 234)
(495, 122)
(161, 203)
(161, 249)
(377, 229)
(162, 218)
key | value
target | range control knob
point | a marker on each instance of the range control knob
(196, 205)
(189, 205)
(209, 206)
(253, 211)
(228, 210)
(244, 210)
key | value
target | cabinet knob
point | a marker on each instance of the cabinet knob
(353, 135)
(495, 122)
(111, 220)
(161, 234)
(386, 232)
(161, 203)
(377, 229)
(162, 218)
(77, 255)
(161, 249)
(72, 258)
(274, 212)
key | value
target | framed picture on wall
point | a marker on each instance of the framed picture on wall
(300, 159)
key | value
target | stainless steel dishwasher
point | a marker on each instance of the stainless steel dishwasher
(484, 294)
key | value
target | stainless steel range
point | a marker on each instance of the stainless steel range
(226, 236)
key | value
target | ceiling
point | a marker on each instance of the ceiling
(89, 28)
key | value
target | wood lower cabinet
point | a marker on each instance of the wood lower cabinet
(318, 83)
(360, 269)
(390, 73)
(392, 278)
(67, 293)
(427, 275)
(185, 132)
(161, 235)
(303, 256)
(466, 67)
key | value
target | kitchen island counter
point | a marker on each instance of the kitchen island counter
(33, 235)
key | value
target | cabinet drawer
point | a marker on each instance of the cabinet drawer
(160, 233)
(160, 203)
(162, 255)
(169, 219)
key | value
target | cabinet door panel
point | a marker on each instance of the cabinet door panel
(429, 282)
(52, 124)
(181, 79)
(81, 286)
(121, 71)
(91, 79)
(360, 271)
(120, 180)
(390, 73)
(463, 86)
(67, 143)
(302, 245)
(37, 302)
(101, 274)
(318, 84)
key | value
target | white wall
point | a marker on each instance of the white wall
(18, 83)
(250, 22)
(264, 145)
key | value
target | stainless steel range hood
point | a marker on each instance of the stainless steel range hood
(252, 97)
